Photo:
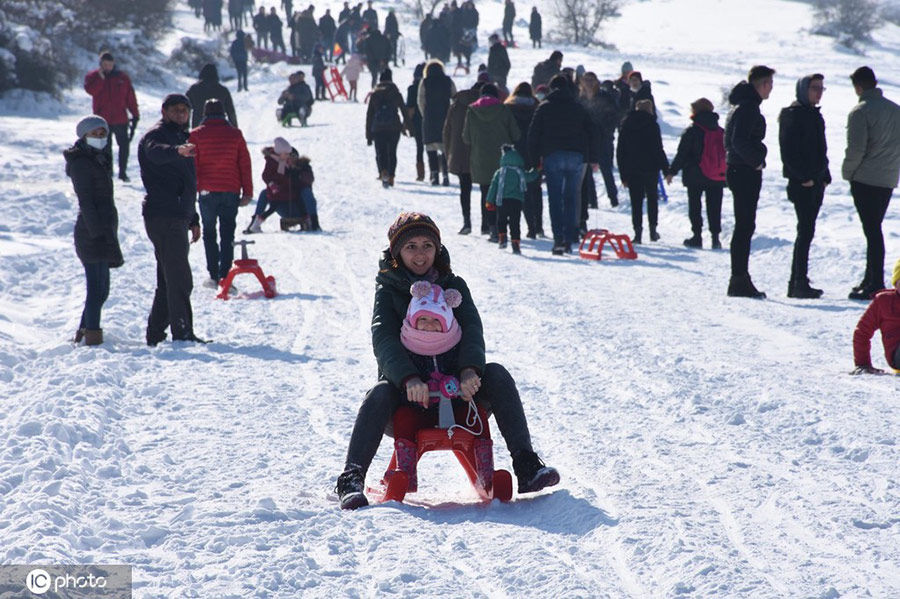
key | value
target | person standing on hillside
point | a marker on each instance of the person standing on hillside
(535, 28)
(240, 56)
(561, 139)
(703, 171)
(276, 30)
(206, 88)
(498, 61)
(872, 166)
(223, 173)
(113, 99)
(261, 26)
(545, 70)
(89, 166)
(804, 156)
(745, 151)
(170, 180)
(435, 92)
(509, 17)
(327, 27)
(385, 120)
(458, 151)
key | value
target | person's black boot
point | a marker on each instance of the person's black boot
(531, 473)
(637, 237)
(350, 486)
(654, 236)
(742, 286)
(694, 242)
(800, 289)
(716, 244)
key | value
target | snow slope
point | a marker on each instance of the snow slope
(709, 447)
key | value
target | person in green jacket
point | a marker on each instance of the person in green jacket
(507, 194)
(415, 253)
(489, 124)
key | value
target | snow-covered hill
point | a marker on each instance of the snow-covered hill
(709, 447)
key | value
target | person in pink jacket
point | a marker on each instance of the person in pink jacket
(113, 99)
(883, 313)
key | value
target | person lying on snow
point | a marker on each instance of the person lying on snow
(415, 254)
(883, 313)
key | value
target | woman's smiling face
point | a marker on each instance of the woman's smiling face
(418, 254)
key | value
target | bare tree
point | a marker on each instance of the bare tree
(580, 20)
(851, 21)
(423, 7)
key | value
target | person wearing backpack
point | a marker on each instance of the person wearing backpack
(385, 119)
(804, 156)
(701, 160)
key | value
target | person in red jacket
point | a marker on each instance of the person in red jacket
(224, 182)
(883, 313)
(114, 99)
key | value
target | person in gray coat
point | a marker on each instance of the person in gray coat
(89, 165)
(872, 165)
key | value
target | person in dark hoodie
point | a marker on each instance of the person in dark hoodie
(239, 56)
(640, 90)
(641, 157)
(745, 151)
(170, 180)
(545, 70)
(498, 60)
(208, 88)
(535, 28)
(804, 156)
(691, 150)
(414, 118)
(457, 151)
(561, 138)
(433, 100)
(89, 165)
(318, 71)
(385, 120)
(522, 103)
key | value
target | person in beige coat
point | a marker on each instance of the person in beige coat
(872, 165)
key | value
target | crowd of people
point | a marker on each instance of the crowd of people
(553, 131)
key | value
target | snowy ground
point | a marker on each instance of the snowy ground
(709, 447)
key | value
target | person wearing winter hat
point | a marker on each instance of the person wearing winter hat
(170, 180)
(415, 254)
(881, 314)
(431, 336)
(89, 165)
(282, 193)
(114, 99)
(804, 156)
(385, 120)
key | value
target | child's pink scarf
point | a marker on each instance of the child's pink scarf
(429, 343)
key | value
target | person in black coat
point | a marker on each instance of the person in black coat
(640, 90)
(438, 41)
(522, 104)
(261, 26)
(370, 17)
(377, 49)
(498, 61)
(687, 159)
(414, 118)
(318, 71)
(435, 93)
(545, 70)
(804, 156)
(392, 33)
(276, 25)
(535, 28)
(239, 56)
(509, 17)
(206, 88)
(89, 165)
(561, 138)
(385, 120)
(327, 27)
(641, 157)
(745, 151)
(169, 210)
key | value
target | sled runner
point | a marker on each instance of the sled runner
(498, 484)
(246, 265)
(595, 239)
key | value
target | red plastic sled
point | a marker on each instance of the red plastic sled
(595, 239)
(395, 483)
(335, 84)
(250, 266)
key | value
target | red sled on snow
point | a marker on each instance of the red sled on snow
(271, 56)
(249, 266)
(395, 484)
(596, 239)
(334, 83)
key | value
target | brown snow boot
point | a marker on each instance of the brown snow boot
(93, 337)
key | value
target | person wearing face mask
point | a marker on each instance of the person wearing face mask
(804, 156)
(89, 165)
(169, 210)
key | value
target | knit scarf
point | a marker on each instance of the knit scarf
(282, 163)
(429, 343)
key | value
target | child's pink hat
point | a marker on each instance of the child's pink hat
(432, 300)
